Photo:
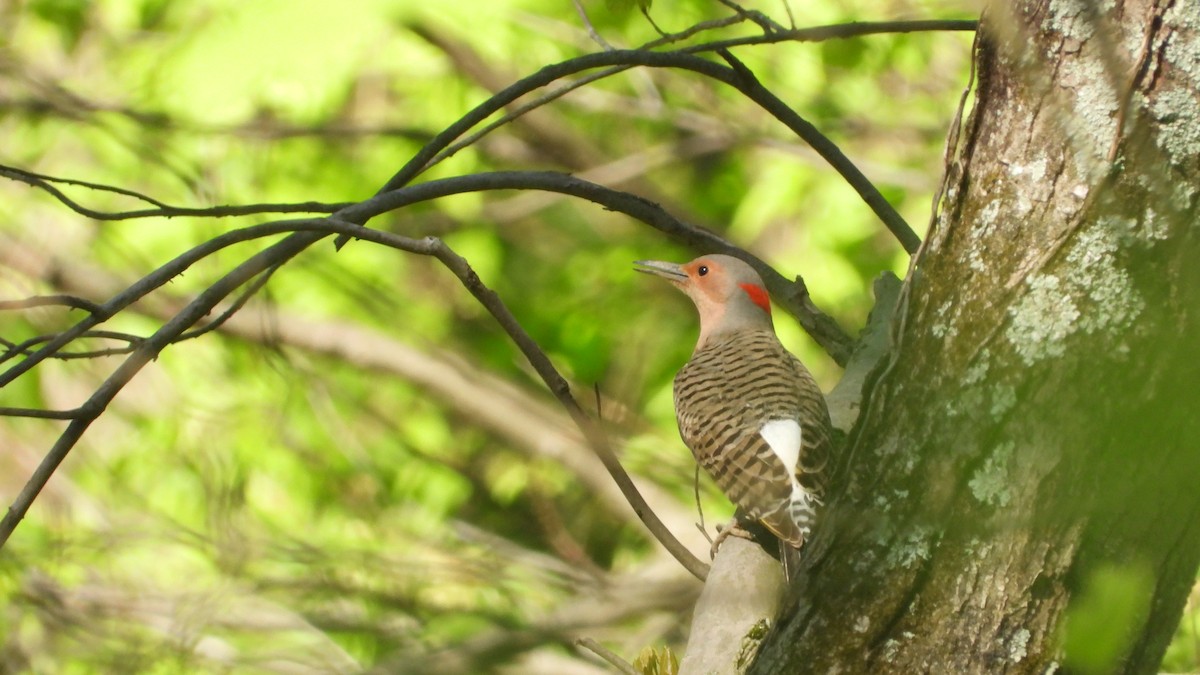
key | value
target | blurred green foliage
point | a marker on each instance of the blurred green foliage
(1101, 621)
(257, 498)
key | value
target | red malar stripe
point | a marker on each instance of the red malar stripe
(758, 295)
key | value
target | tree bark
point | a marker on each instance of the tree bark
(1022, 491)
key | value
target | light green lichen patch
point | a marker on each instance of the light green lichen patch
(902, 456)
(1093, 124)
(862, 624)
(1155, 227)
(1178, 110)
(968, 402)
(1071, 18)
(976, 372)
(978, 549)
(1034, 188)
(987, 218)
(1018, 646)
(1050, 311)
(1042, 319)
(941, 328)
(1183, 46)
(1004, 397)
(1035, 171)
(882, 503)
(914, 548)
(991, 482)
(1182, 196)
(1093, 270)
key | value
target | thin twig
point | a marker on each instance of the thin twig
(608, 655)
(744, 81)
(45, 183)
(23, 348)
(133, 340)
(643, 57)
(251, 289)
(558, 536)
(762, 20)
(671, 38)
(699, 507)
(838, 31)
(40, 414)
(147, 284)
(49, 301)
(645, 10)
(518, 111)
(591, 30)
(99, 187)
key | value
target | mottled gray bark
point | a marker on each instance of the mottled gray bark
(1022, 492)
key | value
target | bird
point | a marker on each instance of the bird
(750, 412)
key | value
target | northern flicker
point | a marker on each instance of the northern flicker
(750, 412)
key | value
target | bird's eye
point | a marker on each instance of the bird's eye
(703, 270)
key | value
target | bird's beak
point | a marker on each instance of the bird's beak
(670, 271)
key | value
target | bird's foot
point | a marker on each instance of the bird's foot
(734, 529)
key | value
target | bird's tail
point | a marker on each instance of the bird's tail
(790, 557)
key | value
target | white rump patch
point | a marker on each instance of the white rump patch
(784, 438)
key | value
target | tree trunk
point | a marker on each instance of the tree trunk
(1022, 491)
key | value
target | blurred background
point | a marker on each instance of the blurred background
(359, 470)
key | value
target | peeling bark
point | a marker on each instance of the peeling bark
(1022, 492)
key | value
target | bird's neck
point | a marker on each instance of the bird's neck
(731, 322)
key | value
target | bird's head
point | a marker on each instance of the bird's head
(728, 293)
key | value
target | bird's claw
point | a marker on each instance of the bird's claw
(733, 529)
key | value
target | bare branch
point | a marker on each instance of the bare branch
(280, 253)
(738, 77)
(654, 589)
(46, 183)
(562, 391)
(40, 414)
(143, 354)
(762, 20)
(251, 289)
(645, 10)
(748, 84)
(787, 7)
(50, 301)
(538, 428)
(147, 284)
(610, 657)
(625, 59)
(792, 295)
(591, 30)
(23, 349)
(839, 31)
